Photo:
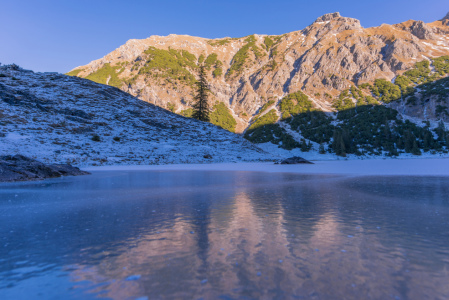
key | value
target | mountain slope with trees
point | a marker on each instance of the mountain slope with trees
(258, 82)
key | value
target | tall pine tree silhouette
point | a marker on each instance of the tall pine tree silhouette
(201, 105)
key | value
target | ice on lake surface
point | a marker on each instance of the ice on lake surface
(225, 235)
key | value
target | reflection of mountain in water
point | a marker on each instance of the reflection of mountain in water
(256, 235)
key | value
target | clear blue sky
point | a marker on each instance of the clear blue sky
(58, 35)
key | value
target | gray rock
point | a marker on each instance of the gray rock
(328, 17)
(295, 160)
(422, 31)
(21, 168)
(445, 20)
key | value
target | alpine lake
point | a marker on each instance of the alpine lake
(225, 235)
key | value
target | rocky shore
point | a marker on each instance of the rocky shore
(21, 168)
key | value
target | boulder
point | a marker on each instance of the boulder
(295, 160)
(22, 168)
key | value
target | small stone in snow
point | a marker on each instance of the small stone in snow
(258, 273)
(350, 236)
(343, 250)
(133, 277)
(203, 281)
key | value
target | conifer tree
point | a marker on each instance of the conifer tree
(321, 149)
(201, 105)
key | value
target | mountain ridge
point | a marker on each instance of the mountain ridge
(62, 119)
(302, 66)
(334, 62)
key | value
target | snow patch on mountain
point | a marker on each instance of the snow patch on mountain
(62, 119)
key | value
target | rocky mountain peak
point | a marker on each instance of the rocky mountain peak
(329, 56)
(445, 20)
(328, 17)
(421, 30)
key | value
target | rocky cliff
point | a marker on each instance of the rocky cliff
(323, 60)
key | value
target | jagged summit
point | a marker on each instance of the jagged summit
(445, 20)
(328, 17)
(339, 23)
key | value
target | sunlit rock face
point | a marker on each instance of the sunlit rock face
(327, 57)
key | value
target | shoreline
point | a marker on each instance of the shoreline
(394, 167)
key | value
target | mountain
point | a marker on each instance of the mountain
(323, 60)
(63, 119)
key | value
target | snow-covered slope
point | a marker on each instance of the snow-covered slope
(61, 119)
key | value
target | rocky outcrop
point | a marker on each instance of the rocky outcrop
(21, 168)
(295, 160)
(328, 17)
(422, 31)
(445, 20)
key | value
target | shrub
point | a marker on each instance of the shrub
(96, 138)
(169, 64)
(74, 72)
(240, 58)
(386, 91)
(268, 42)
(116, 138)
(295, 103)
(222, 117)
(107, 72)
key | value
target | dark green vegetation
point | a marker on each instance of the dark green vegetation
(171, 107)
(264, 130)
(362, 129)
(377, 130)
(187, 112)
(170, 65)
(201, 105)
(386, 91)
(221, 116)
(268, 42)
(107, 75)
(404, 87)
(295, 103)
(353, 97)
(241, 57)
(420, 77)
(219, 43)
(74, 72)
(212, 61)
(265, 107)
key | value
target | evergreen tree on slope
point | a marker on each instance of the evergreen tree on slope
(201, 105)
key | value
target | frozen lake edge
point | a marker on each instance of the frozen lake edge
(388, 167)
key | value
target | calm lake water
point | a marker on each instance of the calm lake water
(225, 235)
